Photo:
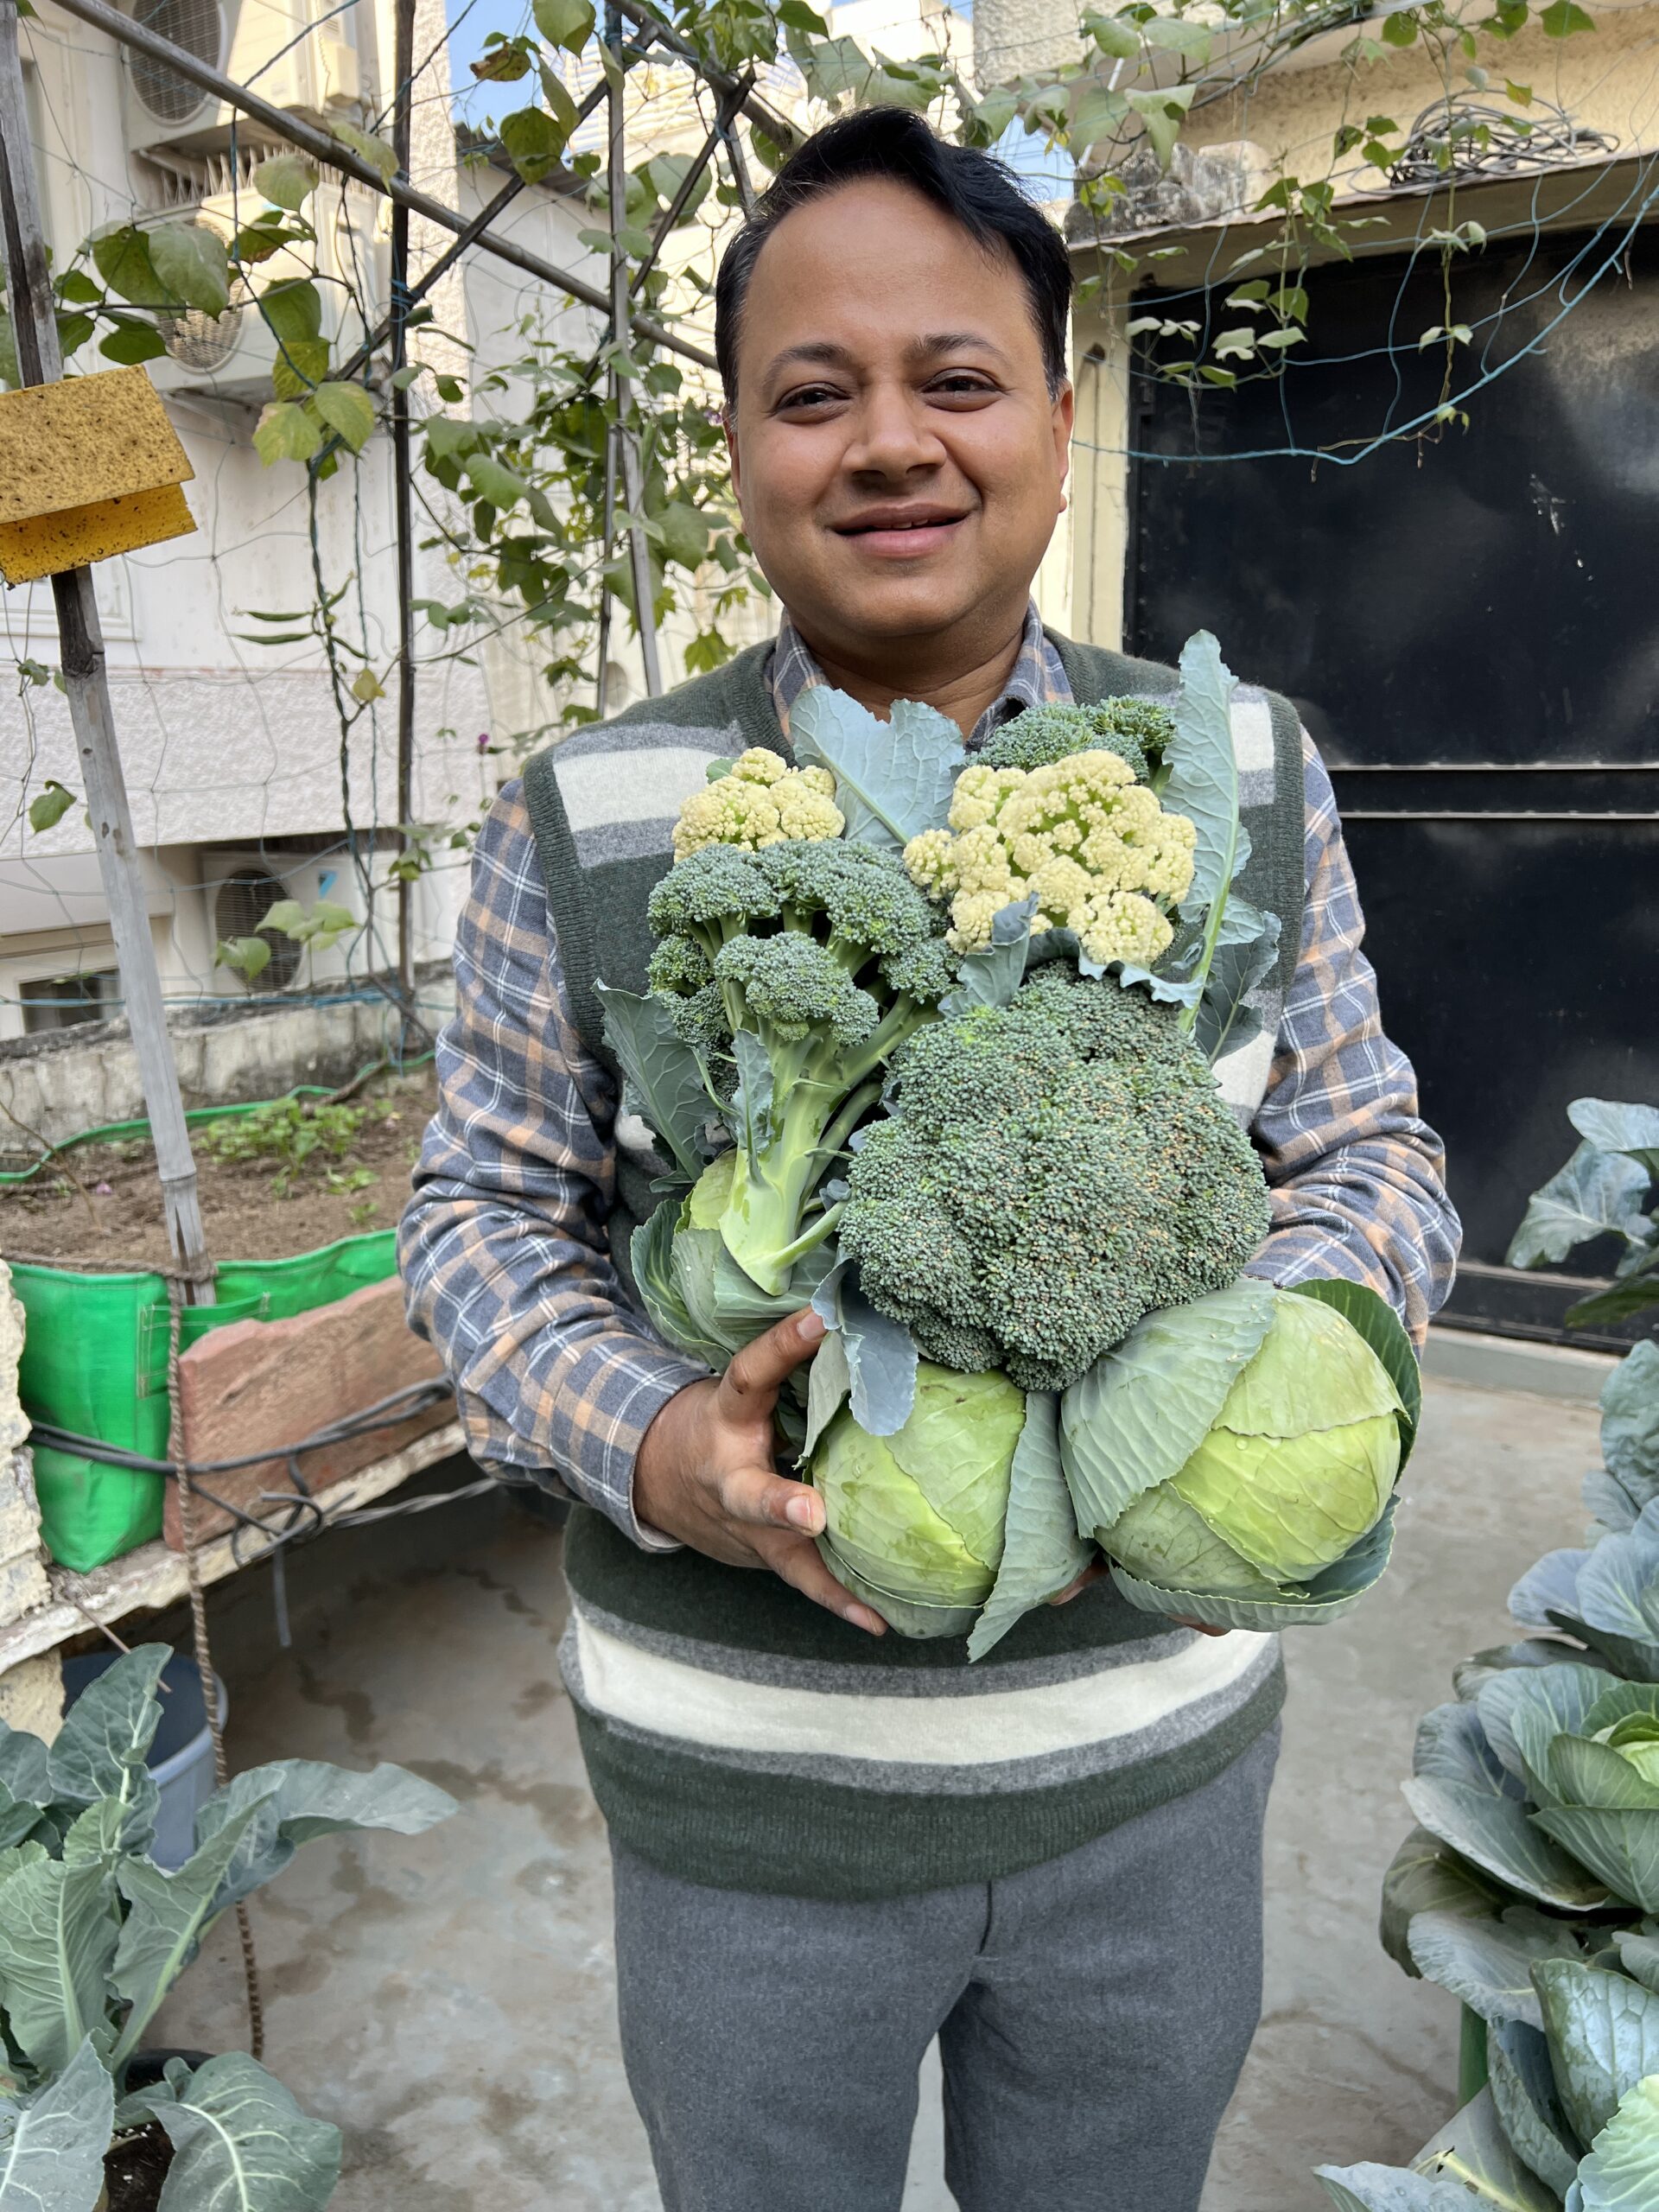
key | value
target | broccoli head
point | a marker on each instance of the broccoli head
(1055, 1169)
(828, 954)
(1137, 730)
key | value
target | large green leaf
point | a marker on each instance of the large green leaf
(1611, 1126)
(1245, 953)
(650, 1251)
(58, 1935)
(1622, 2172)
(101, 1747)
(1497, 1836)
(1472, 2149)
(1378, 1322)
(1604, 2038)
(1202, 779)
(1528, 2104)
(1324, 1599)
(1453, 1743)
(661, 1076)
(1630, 1415)
(1426, 1875)
(121, 255)
(1621, 1847)
(1388, 2188)
(1487, 1964)
(1594, 1193)
(1619, 1584)
(1042, 1552)
(25, 1783)
(240, 2143)
(1523, 1711)
(1638, 1954)
(190, 260)
(52, 2144)
(893, 779)
(1141, 1411)
(166, 1916)
(881, 1360)
(312, 1799)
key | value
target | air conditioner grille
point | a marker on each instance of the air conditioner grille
(198, 28)
(245, 897)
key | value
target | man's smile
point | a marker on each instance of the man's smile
(902, 529)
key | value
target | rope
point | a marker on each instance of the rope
(199, 1634)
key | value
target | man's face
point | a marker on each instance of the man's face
(898, 457)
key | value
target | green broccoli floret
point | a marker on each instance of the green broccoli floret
(827, 955)
(794, 988)
(1137, 730)
(1055, 1169)
(713, 895)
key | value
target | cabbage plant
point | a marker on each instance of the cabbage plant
(1235, 1458)
(1569, 2121)
(93, 1935)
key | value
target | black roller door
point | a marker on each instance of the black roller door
(1470, 625)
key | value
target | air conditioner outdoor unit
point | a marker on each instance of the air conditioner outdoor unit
(315, 73)
(233, 358)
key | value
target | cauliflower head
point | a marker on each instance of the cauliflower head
(761, 801)
(1094, 847)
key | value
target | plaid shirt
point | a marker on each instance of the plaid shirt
(503, 1246)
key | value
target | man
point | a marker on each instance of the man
(830, 1843)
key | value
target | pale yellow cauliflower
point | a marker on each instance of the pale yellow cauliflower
(762, 801)
(1100, 855)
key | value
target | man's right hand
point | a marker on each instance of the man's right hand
(704, 1473)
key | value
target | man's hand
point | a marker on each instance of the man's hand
(705, 1472)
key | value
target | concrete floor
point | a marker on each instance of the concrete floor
(447, 1999)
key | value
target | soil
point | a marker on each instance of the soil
(134, 2169)
(257, 1209)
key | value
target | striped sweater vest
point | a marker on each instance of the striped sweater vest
(734, 1733)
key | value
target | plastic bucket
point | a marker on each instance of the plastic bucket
(180, 1758)
(94, 1362)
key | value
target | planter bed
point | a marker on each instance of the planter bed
(83, 1234)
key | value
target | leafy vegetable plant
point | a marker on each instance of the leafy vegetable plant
(1529, 1888)
(93, 1935)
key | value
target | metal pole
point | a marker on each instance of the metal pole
(403, 66)
(633, 489)
(601, 681)
(285, 124)
(778, 128)
(87, 686)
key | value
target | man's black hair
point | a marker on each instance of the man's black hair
(974, 189)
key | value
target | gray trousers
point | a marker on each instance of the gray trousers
(1092, 2013)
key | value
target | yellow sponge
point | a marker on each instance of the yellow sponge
(88, 468)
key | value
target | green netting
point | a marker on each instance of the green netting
(95, 1361)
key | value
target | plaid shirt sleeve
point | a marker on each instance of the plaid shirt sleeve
(503, 1246)
(1355, 1174)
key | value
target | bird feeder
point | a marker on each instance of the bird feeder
(89, 468)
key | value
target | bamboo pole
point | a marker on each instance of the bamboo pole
(87, 687)
(403, 70)
(633, 489)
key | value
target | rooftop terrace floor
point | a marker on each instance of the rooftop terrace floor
(447, 2000)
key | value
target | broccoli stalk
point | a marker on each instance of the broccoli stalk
(795, 972)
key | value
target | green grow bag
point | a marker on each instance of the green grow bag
(95, 1362)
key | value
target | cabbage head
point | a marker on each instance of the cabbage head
(1235, 1458)
(914, 1520)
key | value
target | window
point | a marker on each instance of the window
(61, 1002)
